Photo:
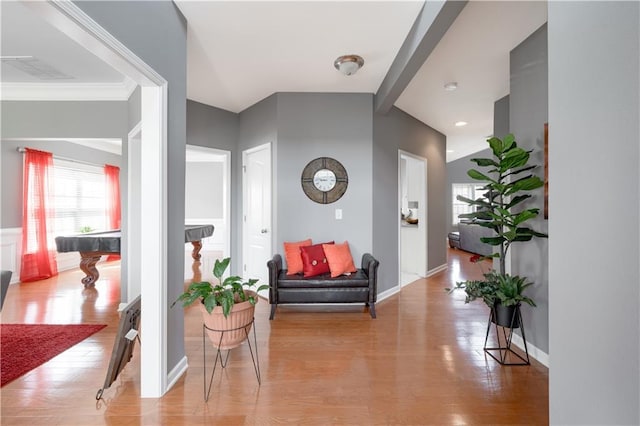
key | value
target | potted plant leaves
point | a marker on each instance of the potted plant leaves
(227, 306)
(508, 181)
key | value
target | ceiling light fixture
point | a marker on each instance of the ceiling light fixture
(451, 86)
(461, 123)
(348, 64)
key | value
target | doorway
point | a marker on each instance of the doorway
(412, 190)
(256, 225)
(151, 207)
(208, 202)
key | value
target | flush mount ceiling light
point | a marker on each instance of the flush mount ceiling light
(348, 64)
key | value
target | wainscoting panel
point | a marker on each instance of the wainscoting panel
(11, 246)
(11, 249)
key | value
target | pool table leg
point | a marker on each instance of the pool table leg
(88, 266)
(197, 245)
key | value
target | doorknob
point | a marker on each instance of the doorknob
(263, 231)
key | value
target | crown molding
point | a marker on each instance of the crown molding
(67, 91)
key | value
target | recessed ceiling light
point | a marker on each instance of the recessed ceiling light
(451, 86)
(461, 123)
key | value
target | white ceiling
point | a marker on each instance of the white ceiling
(240, 52)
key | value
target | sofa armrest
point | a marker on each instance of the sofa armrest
(275, 266)
(370, 268)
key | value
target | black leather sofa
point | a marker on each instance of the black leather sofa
(360, 286)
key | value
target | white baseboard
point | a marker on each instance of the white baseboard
(535, 353)
(177, 372)
(437, 269)
(387, 293)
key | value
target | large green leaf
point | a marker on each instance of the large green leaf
(470, 201)
(496, 146)
(520, 170)
(494, 241)
(517, 157)
(509, 142)
(485, 162)
(220, 266)
(474, 174)
(517, 200)
(528, 183)
(525, 215)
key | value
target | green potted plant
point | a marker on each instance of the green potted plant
(508, 182)
(227, 306)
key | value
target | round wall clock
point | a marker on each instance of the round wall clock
(324, 180)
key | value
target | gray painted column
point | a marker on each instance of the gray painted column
(594, 210)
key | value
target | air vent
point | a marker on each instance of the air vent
(35, 68)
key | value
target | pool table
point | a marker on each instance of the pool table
(93, 245)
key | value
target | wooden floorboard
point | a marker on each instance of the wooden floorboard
(420, 362)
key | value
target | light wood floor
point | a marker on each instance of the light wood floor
(420, 363)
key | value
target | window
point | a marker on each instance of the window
(469, 190)
(79, 197)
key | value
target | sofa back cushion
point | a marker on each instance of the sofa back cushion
(293, 255)
(339, 259)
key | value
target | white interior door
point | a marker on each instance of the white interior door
(257, 227)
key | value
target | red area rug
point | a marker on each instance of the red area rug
(26, 346)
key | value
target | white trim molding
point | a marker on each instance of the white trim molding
(68, 91)
(80, 27)
(10, 249)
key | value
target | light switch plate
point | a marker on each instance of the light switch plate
(338, 214)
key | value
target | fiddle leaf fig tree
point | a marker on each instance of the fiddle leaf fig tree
(508, 180)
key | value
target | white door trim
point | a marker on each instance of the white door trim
(226, 197)
(71, 20)
(422, 214)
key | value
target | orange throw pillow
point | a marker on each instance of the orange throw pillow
(339, 258)
(293, 257)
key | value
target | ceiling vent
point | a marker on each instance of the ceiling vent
(35, 68)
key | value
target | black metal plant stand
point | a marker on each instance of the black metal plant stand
(224, 359)
(504, 338)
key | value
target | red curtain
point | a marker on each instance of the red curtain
(112, 176)
(38, 260)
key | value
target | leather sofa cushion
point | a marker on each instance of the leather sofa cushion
(356, 279)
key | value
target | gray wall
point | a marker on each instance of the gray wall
(213, 127)
(312, 125)
(528, 111)
(22, 119)
(501, 124)
(594, 211)
(391, 132)
(157, 33)
(258, 126)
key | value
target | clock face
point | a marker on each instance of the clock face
(324, 180)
